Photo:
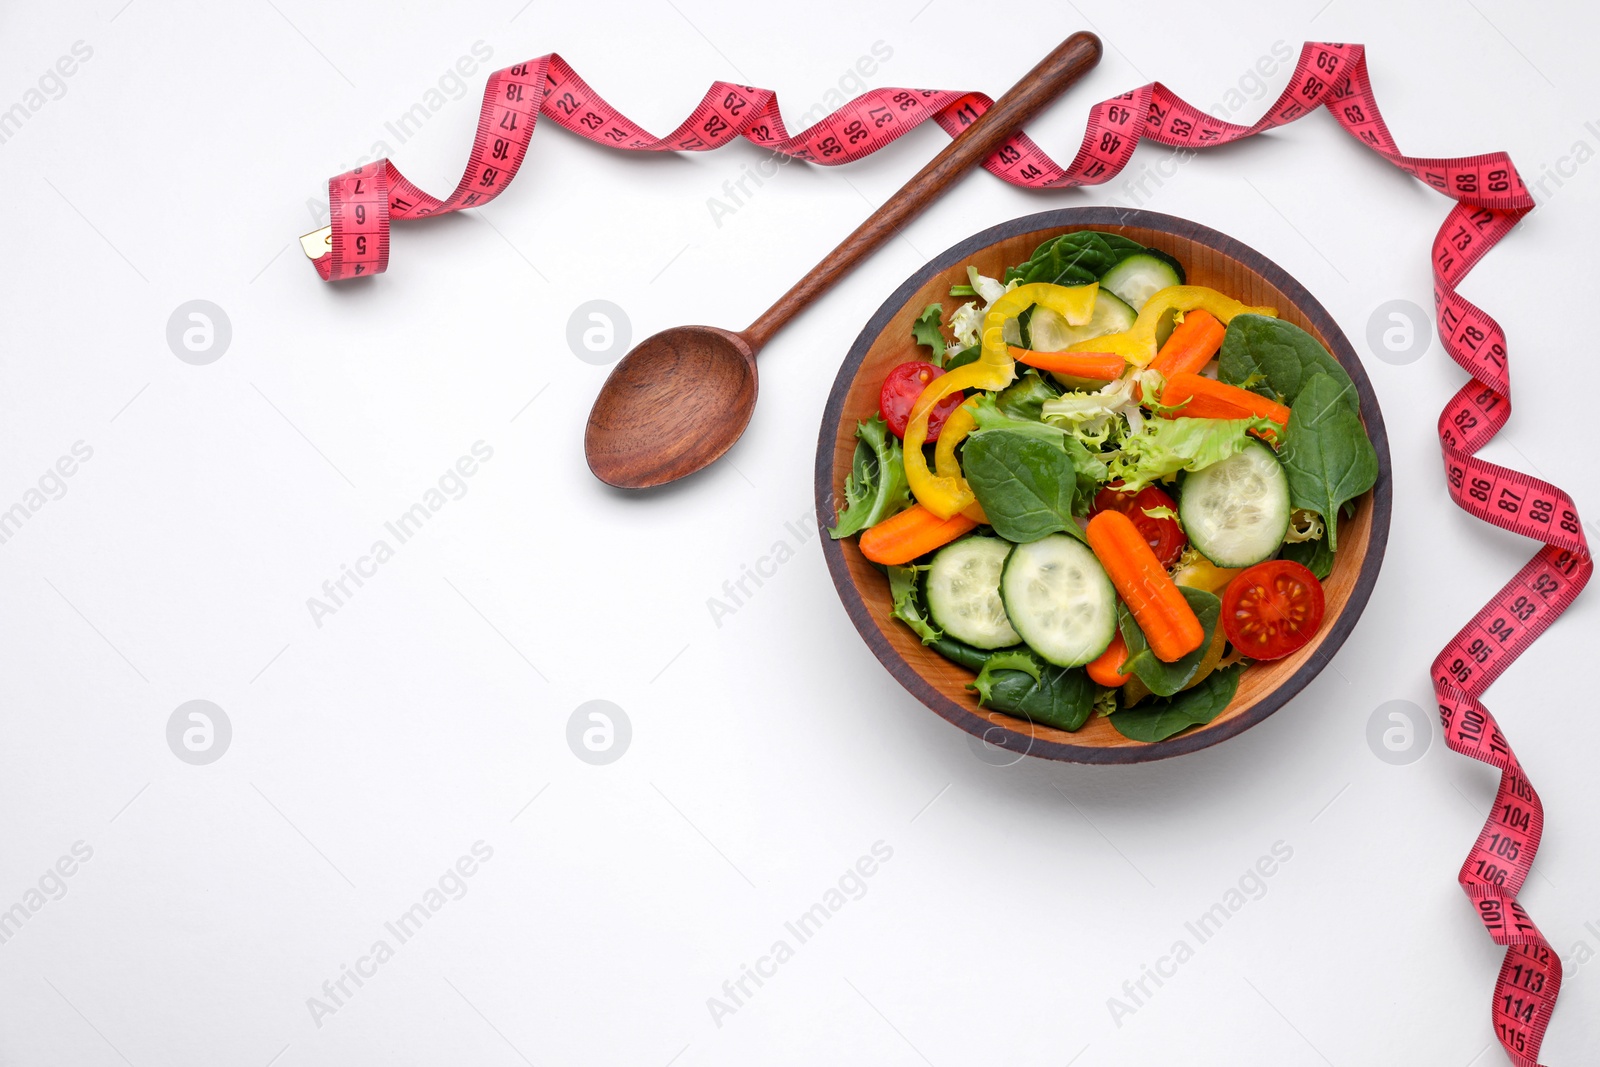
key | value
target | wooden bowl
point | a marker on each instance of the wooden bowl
(1210, 259)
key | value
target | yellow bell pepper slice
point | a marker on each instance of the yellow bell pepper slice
(945, 493)
(956, 428)
(1197, 572)
(1138, 345)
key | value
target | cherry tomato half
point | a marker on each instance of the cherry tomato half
(1166, 537)
(900, 390)
(1271, 609)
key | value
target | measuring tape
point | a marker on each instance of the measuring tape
(1490, 199)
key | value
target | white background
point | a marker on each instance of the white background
(771, 752)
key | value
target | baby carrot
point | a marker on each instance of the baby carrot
(913, 532)
(1194, 396)
(1191, 345)
(1158, 606)
(1098, 366)
(1104, 669)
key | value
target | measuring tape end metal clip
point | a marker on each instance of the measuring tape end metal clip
(317, 243)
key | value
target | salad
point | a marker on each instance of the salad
(1105, 491)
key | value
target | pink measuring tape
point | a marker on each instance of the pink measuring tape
(1490, 199)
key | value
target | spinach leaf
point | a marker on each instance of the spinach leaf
(1015, 682)
(926, 329)
(1009, 659)
(1026, 485)
(1193, 707)
(960, 653)
(1062, 697)
(1315, 556)
(1326, 452)
(967, 355)
(907, 600)
(876, 486)
(1074, 258)
(1090, 468)
(1274, 358)
(1162, 678)
(1025, 397)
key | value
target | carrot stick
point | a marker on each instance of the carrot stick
(1099, 366)
(1195, 396)
(913, 532)
(1106, 668)
(1191, 345)
(1169, 624)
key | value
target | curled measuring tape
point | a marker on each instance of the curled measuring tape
(1490, 199)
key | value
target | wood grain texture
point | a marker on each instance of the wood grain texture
(1210, 259)
(673, 406)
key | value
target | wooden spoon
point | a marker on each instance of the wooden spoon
(682, 397)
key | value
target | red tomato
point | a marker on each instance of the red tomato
(1271, 609)
(900, 390)
(1166, 537)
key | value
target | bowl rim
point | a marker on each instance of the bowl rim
(966, 717)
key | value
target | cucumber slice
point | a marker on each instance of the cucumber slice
(1236, 512)
(1049, 332)
(1139, 277)
(1059, 599)
(1171, 261)
(963, 592)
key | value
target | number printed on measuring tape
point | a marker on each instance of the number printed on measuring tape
(1489, 199)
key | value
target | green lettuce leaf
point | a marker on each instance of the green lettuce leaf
(1163, 447)
(876, 486)
(926, 330)
(1097, 416)
(1025, 397)
(907, 601)
(988, 289)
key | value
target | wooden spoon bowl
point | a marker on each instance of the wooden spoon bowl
(649, 424)
(1210, 259)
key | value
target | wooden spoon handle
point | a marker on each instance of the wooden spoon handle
(1049, 79)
